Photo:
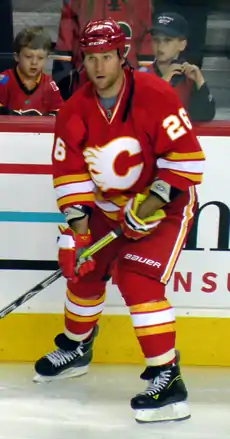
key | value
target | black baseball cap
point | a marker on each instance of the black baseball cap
(170, 24)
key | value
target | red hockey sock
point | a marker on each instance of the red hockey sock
(154, 325)
(81, 315)
(152, 317)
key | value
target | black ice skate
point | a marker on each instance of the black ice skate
(71, 359)
(165, 397)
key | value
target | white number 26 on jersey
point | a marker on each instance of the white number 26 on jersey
(175, 126)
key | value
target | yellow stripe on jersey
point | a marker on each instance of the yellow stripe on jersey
(177, 156)
(119, 200)
(188, 214)
(75, 199)
(65, 179)
(84, 302)
(111, 215)
(157, 329)
(196, 178)
(151, 306)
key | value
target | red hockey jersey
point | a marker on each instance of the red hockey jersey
(134, 16)
(44, 98)
(102, 159)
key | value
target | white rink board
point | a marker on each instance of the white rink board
(37, 241)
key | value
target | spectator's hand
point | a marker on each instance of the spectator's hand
(194, 73)
(174, 69)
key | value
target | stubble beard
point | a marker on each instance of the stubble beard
(107, 85)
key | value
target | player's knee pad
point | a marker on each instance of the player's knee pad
(137, 289)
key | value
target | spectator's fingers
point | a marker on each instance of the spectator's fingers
(177, 67)
(189, 69)
(177, 72)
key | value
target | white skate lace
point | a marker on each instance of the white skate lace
(157, 384)
(60, 357)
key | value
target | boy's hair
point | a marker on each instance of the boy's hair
(34, 37)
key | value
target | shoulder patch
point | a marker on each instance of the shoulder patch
(4, 79)
(54, 86)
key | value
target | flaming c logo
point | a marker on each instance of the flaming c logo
(116, 165)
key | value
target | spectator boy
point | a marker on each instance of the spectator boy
(25, 89)
(170, 32)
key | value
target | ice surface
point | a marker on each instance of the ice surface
(96, 406)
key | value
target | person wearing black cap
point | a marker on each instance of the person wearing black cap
(170, 33)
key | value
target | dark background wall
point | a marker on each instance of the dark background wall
(6, 34)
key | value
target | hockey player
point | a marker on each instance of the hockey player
(25, 89)
(124, 153)
(134, 16)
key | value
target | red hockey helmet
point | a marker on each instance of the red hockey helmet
(102, 36)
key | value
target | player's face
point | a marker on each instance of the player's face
(167, 48)
(103, 69)
(31, 62)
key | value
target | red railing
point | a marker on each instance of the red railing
(33, 124)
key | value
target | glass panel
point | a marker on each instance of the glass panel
(38, 12)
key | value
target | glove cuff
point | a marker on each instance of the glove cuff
(83, 240)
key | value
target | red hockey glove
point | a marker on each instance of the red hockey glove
(134, 227)
(71, 246)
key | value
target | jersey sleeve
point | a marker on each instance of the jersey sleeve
(55, 100)
(71, 179)
(180, 159)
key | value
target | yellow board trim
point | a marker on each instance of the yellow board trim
(158, 329)
(70, 179)
(26, 337)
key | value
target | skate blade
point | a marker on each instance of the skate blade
(172, 412)
(71, 373)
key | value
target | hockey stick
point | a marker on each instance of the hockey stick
(57, 274)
